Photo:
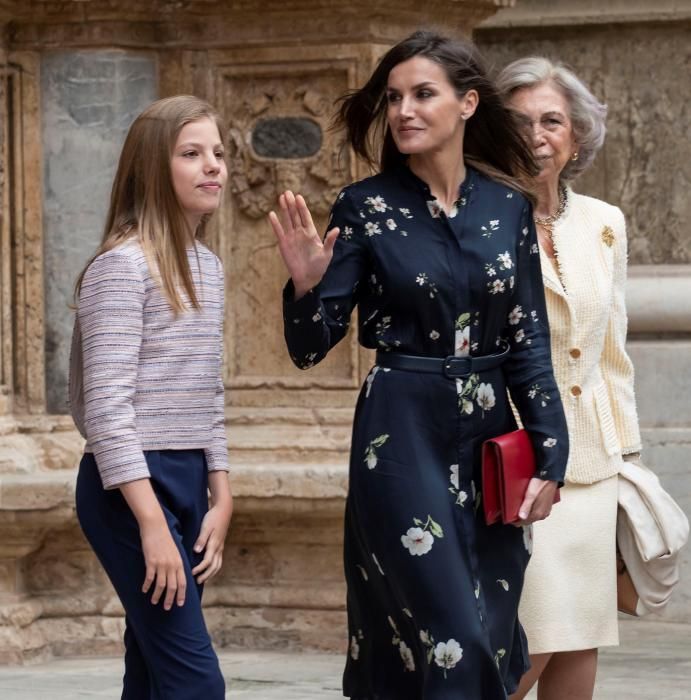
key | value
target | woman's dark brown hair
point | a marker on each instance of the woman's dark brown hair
(492, 142)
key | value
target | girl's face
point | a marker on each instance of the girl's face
(424, 112)
(198, 169)
(544, 113)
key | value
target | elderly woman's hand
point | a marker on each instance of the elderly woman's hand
(538, 501)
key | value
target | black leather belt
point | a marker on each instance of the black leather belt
(452, 366)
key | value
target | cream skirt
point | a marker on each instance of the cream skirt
(569, 599)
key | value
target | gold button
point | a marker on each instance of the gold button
(575, 353)
(576, 390)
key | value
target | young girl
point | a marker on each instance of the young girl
(146, 392)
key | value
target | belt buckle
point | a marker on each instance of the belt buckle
(455, 367)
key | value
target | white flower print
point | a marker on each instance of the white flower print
(488, 230)
(370, 380)
(434, 208)
(520, 334)
(485, 396)
(363, 572)
(377, 204)
(417, 541)
(447, 654)
(406, 213)
(347, 232)
(407, 613)
(461, 496)
(477, 589)
(317, 317)
(534, 249)
(504, 260)
(372, 227)
(533, 315)
(490, 270)
(536, 391)
(377, 564)
(434, 335)
(424, 637)
(550, 442)
(354, 648)
(501, 653)
(453, 478)
(407, 656)
(503, 583)
(516, 315)
(391, 225)
(509, 195)
(467, 407)
(528, 538)
(371, 452)
(341, 194)
(462, 344)
(421, 279)
(496, 287)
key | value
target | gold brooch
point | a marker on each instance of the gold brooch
(607, 236)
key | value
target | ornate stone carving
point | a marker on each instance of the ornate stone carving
(256, 181)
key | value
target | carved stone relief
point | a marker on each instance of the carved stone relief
(249, 96)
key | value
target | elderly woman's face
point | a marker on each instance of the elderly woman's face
(544, 114)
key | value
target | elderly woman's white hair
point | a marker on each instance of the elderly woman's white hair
(587, 113)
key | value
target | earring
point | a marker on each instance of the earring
(464, 117)
(574, 157)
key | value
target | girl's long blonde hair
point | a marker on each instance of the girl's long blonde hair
(143, 203)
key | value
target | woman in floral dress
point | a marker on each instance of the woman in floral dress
(441, 260)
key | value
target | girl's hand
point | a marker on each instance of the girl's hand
(161, 554)
(164, 566)
(301, 248)
(538, 501)
(211, 540)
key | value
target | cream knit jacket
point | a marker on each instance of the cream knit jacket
(587, 319)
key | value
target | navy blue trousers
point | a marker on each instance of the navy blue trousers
(168, 654)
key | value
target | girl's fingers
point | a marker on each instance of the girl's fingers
(159, 587)
(182, 587)
(148, 579)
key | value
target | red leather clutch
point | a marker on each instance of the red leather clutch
(508, 465)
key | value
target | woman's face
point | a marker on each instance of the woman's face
(545, 116)
(198, 169)
(424, 112)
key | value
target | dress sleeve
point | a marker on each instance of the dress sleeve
(317, 321)
(217, 453)
(617, 367)
(529, 372)
(111, 304)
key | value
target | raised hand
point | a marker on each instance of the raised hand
(302, 250)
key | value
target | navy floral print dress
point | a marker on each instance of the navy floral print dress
(432, 591)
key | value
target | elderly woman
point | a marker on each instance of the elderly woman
(569, 605)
